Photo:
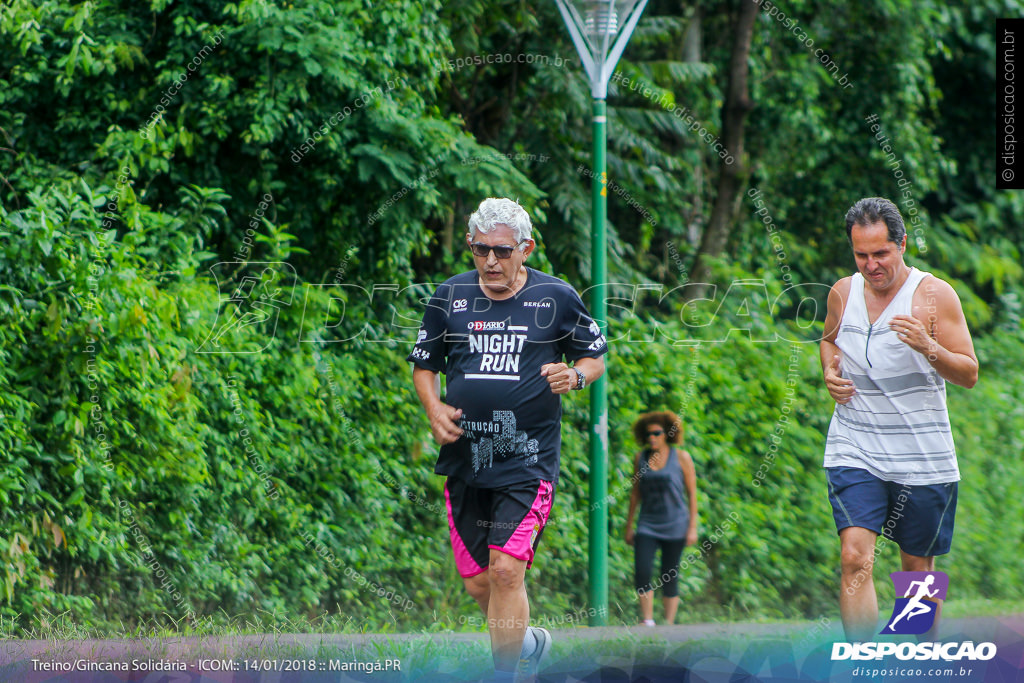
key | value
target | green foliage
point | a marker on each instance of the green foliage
(143, 477)
(990, 513)
(148, 483)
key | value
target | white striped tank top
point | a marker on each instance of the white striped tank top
(896, 426)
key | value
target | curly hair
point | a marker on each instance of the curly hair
(664, 419)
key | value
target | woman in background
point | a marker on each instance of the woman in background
(665, 487)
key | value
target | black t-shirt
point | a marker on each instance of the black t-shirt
(491, 353)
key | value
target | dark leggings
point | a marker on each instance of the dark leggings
(645, 547)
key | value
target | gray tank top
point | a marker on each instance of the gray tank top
(664, 512)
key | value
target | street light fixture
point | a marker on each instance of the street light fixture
(594, 27)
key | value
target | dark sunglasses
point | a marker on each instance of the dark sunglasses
(482, 250)
(656, 433)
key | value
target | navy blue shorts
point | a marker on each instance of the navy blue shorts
(918, 518)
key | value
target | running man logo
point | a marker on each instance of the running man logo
(253, 293)
(914, 613)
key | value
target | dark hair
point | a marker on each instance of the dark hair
(664, 419)
(871, 210)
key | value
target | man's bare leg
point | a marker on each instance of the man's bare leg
(508, 609)
(479, 588)
(915, 563)
(858, 603)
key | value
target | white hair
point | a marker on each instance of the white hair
(493, 212)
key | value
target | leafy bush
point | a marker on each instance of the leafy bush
(164, 458)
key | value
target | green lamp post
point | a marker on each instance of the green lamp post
(594, 27)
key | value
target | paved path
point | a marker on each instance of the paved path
(976, 629)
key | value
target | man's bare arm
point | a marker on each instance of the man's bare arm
(592, 368)
(562, 379)
(443, 417)
(841, 389)
(942, 337)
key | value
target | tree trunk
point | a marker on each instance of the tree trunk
(692, 52)
(733, 175)
(448, 232)
(692, 38)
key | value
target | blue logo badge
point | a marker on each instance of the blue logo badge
(914, 612)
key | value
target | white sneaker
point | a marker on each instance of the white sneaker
(528, 666)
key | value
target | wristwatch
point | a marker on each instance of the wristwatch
(581, 380)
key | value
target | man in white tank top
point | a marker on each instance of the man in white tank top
(894, 335)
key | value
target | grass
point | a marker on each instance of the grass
(959, 609)
(63, 626)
